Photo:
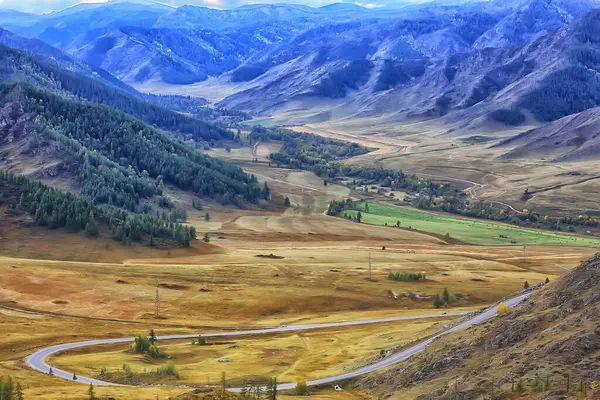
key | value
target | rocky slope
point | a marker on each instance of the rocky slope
(575, 137)
(551, 339)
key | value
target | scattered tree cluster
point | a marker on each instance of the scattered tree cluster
(406, 276)
(145, 345)
(455, 204)
(305, 150)
(445, 299)
(508, 116)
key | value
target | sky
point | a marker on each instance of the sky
(44, 6)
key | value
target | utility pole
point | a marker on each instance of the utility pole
(370, 266)
(157, 305)
(524, 254)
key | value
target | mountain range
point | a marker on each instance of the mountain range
(459, 65)
(458, 62)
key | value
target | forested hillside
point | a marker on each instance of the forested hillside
(57, 209)
(129, 142)
(17, 65)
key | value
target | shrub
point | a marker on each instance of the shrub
(502, 308)
(168, 370)
(154, 351)
(520, 386)
(301, 388)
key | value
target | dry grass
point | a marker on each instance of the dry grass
(90, 290)
(289, 357)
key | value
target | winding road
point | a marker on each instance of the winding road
(37, 360)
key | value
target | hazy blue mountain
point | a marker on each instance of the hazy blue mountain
(179, 56)
(77, 26)
(67, 61)
(456, 60)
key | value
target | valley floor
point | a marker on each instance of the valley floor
(261, 268)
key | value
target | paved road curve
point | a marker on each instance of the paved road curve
(37, 360)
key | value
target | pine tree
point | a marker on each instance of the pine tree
(446, 296)
(74, 376)
(266, 192)
(246, 391)
(91, 395)
(526, 285)
(6, 389)
(206, 238)
(152, 336)
(437, 302)
(258, 393)
(272, 389)
(223, 381)
(207, 217)
(19, 392)
(287, 202)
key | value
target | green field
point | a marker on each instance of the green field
(464, 229)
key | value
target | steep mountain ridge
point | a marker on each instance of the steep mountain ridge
(551, 338)
(554, 76)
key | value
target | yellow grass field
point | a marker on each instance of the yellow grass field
(262, 268)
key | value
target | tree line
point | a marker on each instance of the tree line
(454, 204)
(322, 156)
(56, 208)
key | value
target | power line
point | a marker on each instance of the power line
(157, 304)
(370, 266)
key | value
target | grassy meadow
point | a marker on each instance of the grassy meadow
(471, 231)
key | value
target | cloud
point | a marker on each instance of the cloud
(369, 5)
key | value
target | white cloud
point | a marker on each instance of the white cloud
(369, 5)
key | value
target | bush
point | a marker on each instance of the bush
(168, 370)
(301, 388)
(520, 386)
(154, 352)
